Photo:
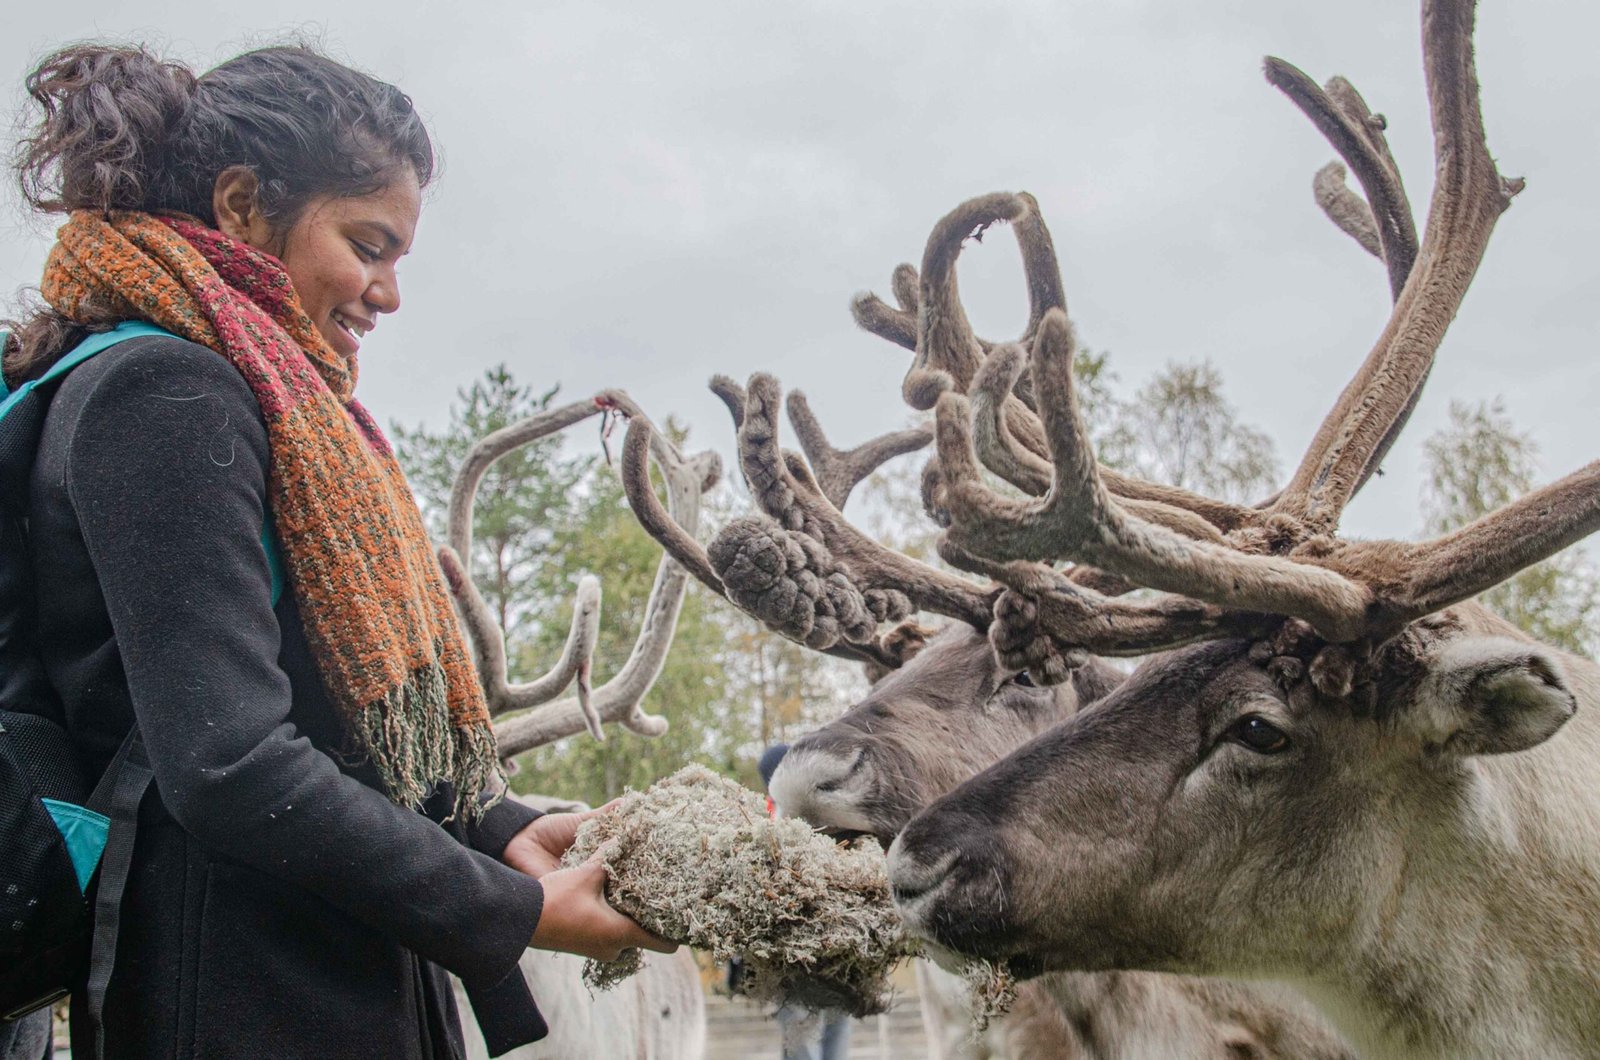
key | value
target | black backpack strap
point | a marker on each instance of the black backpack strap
(117, 796)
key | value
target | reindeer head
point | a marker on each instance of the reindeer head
(942, 717)
(1225, 811)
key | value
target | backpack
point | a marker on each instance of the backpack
(59, 829)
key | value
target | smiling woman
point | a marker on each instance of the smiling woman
(282, 149)
(241, 589)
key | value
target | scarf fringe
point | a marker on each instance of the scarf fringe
(410, 740)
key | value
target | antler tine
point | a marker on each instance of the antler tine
(488, 640)
(1341, 115)
(899, 326)
(1382, 223)
(1347, 210)
(620, 699)
(1047, 611)
(1469, 196)
(731, 395)
(948, 352)
(1041, 269)
(785, 490)
(678, 542)
(484, 452)
(1012, 440)
(1417, 579)
(489, 647)
(907, 287)
(883, 320)
(990, 392)
(991, 398)
(1079, 519)
(837, 473)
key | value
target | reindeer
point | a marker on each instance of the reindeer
(1342, 774)
(809, 574)
(659, 1014)
(950, 711)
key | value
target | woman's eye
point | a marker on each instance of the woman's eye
(367, 253)
(1259, 735)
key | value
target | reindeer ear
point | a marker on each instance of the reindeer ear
(907, 639)
(1491, 695)
(901, 644)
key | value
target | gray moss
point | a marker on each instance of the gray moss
(992, 990)
(697, 860)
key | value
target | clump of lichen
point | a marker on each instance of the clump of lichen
(696, 859)
(992, 989)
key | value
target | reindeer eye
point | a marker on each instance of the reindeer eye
(1022, 680)
(1258, 734)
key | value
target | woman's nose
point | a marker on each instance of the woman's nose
(384, 294)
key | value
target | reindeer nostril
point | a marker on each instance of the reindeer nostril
(911, 877)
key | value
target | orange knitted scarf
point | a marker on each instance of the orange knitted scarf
(377, 615)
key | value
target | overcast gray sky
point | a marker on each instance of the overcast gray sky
(640, 194)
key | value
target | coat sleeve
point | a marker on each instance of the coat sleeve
(167, 473)
(492, 833)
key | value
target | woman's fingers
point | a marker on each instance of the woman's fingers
(598, 810)
(648, 941)
(577, 919)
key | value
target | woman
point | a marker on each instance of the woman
(315, 852)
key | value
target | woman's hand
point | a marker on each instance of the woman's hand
(539, 847)
(577, 918)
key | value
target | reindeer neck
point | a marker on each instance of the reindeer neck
(1484, 946)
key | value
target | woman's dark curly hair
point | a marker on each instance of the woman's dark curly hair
(123, 130)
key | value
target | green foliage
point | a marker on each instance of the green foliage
(693, 690)
(523, 498)
(1181, 431)
(1481, 462)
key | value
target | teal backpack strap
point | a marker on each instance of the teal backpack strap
(269, 544)
(128, 329)
(132, 329)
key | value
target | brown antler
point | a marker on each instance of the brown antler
(1469, 196)
(1079, 519)
(1010, 441)
(784, 488)
(949, 356)
(812, 577)
(1382, 223)
(770, 576)
(619, 699)
(1347, 591)
(838, 473)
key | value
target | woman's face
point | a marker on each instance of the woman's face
(340, 253)
(341, 256)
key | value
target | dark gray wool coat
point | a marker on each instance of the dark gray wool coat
(278, 905)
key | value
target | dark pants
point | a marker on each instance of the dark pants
(814, 1035)
(27, 1038)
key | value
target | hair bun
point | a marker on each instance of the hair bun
(108, 111)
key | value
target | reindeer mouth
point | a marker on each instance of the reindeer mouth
(851, 836)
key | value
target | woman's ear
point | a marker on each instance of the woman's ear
(234, 201)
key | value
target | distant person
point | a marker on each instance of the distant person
(807, 1035)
